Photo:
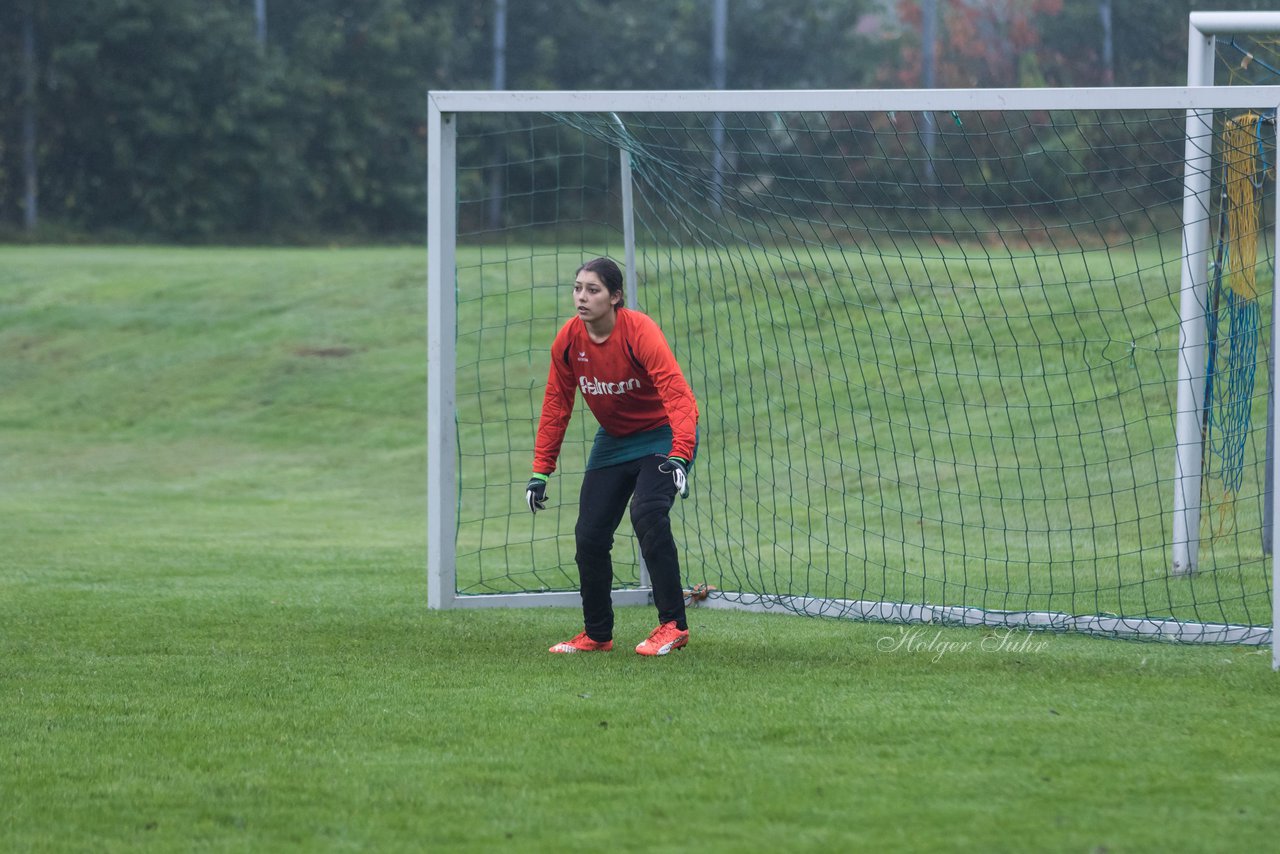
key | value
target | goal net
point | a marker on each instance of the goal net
(936, 339)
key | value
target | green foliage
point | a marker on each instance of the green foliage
(161, 119)
(167, 119)
(172, 145)
(359, 106)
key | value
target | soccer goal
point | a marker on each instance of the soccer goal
(938, 383)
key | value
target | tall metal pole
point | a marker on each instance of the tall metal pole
(1269, 489)
(442, 319)
(719, 79)
(1189, 451)
(630, 286)
(499, 44)
(260, 21)
(631, 291)
(1108, 50)
(929, 80)
(30, 213)
(1273, 520)
(493, 211)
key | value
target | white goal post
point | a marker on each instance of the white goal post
(1198, 102)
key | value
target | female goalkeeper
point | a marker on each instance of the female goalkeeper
(620, 361)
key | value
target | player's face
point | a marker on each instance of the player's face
(591, 298)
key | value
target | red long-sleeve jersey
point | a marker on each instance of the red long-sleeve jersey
(631, 383)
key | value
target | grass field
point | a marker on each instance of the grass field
(214, 636)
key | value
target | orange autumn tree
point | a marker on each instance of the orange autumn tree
(980, 43)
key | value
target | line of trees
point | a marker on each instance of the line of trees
(188, 120)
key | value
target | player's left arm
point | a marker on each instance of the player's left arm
(677, 397)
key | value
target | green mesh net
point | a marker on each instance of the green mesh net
(934, 384)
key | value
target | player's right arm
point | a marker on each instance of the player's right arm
(557, 405)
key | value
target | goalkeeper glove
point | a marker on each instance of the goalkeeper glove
(536, 493)
(678, 468)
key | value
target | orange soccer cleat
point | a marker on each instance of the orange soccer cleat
(664, 638)
(582, 643)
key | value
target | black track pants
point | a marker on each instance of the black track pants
(605, 492)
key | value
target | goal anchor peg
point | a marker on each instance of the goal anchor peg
(698, 593)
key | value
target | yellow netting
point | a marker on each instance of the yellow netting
(1243, 182)
(1234, 317)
